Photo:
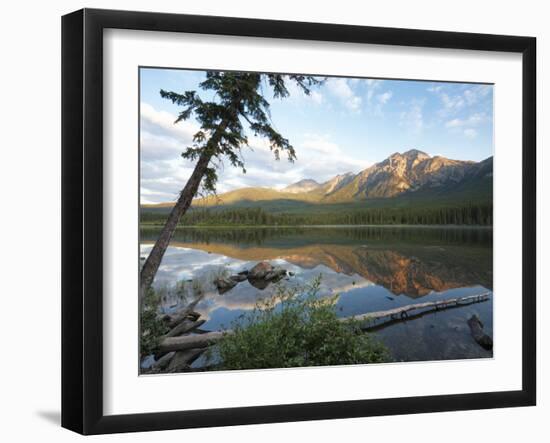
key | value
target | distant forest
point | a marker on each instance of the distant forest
(468, 214)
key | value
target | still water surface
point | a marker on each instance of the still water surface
(370, 268)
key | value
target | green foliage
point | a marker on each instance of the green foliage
(152, 328)
(464, 214)
(296, 329)
(238, 99)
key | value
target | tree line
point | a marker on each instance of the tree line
(467, 214)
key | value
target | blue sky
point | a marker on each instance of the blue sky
(344, 125)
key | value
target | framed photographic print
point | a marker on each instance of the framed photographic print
(269, 221)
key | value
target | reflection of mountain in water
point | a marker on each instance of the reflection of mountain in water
(413, 265)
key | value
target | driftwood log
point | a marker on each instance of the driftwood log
(173, 320)
(163, 362)
(476, 329)
(184, 326)
(182, 360)
(402, 312)
(184, 342)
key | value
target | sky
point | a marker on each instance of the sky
(344, 125)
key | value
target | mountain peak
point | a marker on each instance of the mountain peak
(338, 182)
(304, 185)
(414, 153)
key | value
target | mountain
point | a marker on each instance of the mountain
(409, 177)
(306, 185)
(337, 183)
(408, 172)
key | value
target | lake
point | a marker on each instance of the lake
(370, 268)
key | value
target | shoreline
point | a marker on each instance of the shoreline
(154, 225)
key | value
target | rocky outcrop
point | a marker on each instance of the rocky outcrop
(260, 276)
(408, 172)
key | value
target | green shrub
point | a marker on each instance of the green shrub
(152, 328)
(296, 328)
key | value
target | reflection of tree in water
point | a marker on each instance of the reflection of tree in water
(273, 236)
(406, 261)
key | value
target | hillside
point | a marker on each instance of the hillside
(412, 178)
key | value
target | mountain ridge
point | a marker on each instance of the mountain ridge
(406, 174)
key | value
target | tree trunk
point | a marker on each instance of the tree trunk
(185, 199)
(152, 263)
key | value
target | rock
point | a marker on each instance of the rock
(259, 283)
(291, 274)
(238, 278)
(260, 271)
(245, 272)
(476, 329)
(224, 284)
(276, 274)
(261, 275)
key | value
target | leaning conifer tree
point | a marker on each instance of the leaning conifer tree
(237, 101)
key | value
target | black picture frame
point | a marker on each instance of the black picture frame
(82, 218)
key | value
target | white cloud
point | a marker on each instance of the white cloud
(455, 100)
(340, 88)
(320, 144)
(373, 81)
(384, 97)
(454, 123)
(470, 133)
(473, 120)
(452, 102)
(413, 118)
(376, 99)
(164, 172)
(435, 88)
(298, 94)
(372, 86)
(316, 97)
(466, 126)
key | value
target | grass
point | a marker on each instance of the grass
(293, 329)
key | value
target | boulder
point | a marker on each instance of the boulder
(259, 283)
(264, 273)
(224, 284)
(276, 274)
(238, 277)
(259, 271)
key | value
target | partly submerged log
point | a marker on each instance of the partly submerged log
(163, 362)
(204, 340)
(160, 365)
(184, 327)
(191, 341)
(183, 359)
(402, 312)
(194, 315)
(172, 320)
(476, 329)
